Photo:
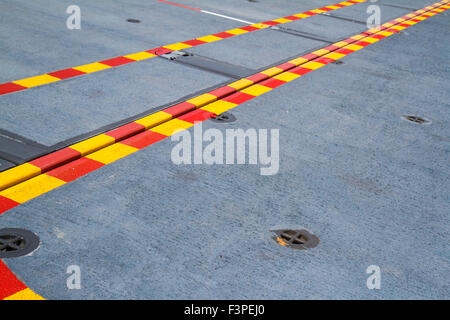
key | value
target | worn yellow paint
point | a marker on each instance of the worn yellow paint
(256, 90)
(209, 38)
(18, 174)
(140, 56)
(154, 119)
(313, 65)
(36, 81)
(93, 144)
(286, 76)
(25, 294)
(177, 46)
(272, 71)
(219, 106)
(240, 84)
(92, 67)
(170, 127)
(203, 99)
(112, 153)
(31, 188)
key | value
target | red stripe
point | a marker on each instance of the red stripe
(196, 116)
(180, 108)
(5, 205)
(223, 35)
(331, 48)
(344, 51)
(271, 23)
(249, 28)
(114, 62)
(194, 42)
(362, 43)
(324, 60)
(310, 56)
(159, 51)
(143, 139)
(9, 284)
(66, 73)
(75, 169)
(286, 66)
(378, 36)
(238, 98)
(125, 131)
(292, 18)
(55, 159)
(272, 83)
(179, 5)
(222, 92)
(257, 77)
(300, 71)
(10, 87)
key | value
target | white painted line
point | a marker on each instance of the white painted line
(227, 17)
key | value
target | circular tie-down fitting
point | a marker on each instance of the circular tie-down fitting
(338, 62)
(223, 117)
(17, 242)
(296, 239)
(416, 119)
(133, 20)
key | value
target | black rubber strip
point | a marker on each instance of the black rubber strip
(18, 149)
(336, 16)
(301, 34)
(208, 64)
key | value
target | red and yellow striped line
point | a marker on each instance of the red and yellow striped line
(12, 288)
(39, 176)
(55, 76)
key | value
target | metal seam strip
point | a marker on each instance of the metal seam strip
(144, 132)
(35, 81)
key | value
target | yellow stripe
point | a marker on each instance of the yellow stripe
(219, 106)
(154, 119)
(321, 52)
(236, 31)
(112, 153)
(203, 99)
(18, 174)
(301, 15)
(170, 127)
(312, 65)
(31, 188)
(298, 61)
(282, 20)
(177, 46)
(272, 71)
(25, 294)
(93, 144)
(36, 81)
(240, 84)
(334, 55)
(354, 47)
(92, 67)
(286, 76)
(256, 90)
(209, 38)
(140, 56)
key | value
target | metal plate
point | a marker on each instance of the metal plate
(17, 242)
